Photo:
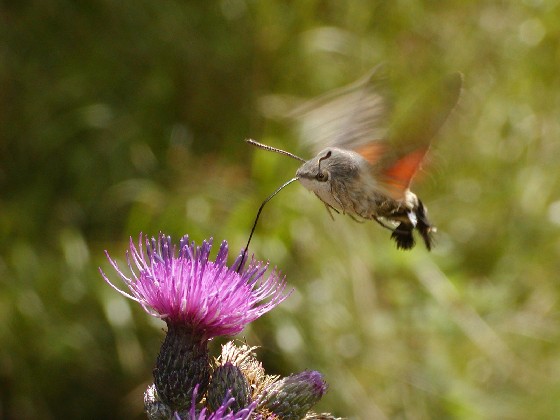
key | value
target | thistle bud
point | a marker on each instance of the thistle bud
(228, 381)
(292, 397)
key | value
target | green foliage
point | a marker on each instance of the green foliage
(122, 117)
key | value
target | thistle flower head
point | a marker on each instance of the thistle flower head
(181, 286)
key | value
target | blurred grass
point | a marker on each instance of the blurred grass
(122, 117)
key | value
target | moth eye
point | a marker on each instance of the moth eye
(322, 176)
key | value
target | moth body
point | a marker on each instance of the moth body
(344, 180)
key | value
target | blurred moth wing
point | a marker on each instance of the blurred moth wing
(350, 117)
(357, 118)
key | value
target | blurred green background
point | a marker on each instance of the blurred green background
(121, 117)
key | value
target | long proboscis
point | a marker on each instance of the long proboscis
(257, 219)
(273, 149)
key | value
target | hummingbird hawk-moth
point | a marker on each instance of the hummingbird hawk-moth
(360, 168)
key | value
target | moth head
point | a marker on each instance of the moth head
(316, 170)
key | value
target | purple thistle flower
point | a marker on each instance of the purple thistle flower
(199, 300)
(188, 290)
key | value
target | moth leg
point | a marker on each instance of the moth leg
(338, 199)
(355, 219)
(382, 224)
(340, 204)
(328, 207)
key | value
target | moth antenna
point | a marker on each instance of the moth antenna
(257, 219)
(274, 149)
(328, 155)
